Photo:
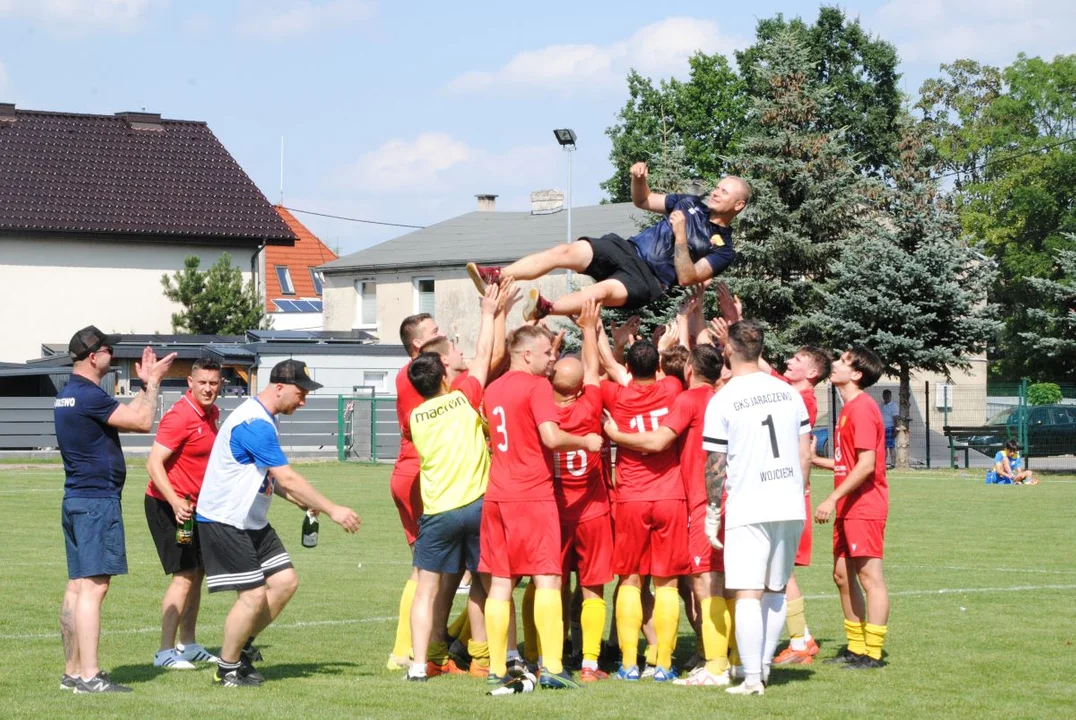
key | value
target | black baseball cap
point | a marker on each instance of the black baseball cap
(89, 340)
(294, 372)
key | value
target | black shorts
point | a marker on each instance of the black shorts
(162, 528)
(237, 559)
(448, 542)
(615, 259)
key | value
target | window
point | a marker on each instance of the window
(284, 276)
(376, 379)
(424, 295)
(365, 303)
(319, 281)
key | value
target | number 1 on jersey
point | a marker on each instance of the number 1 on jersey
(768, 422)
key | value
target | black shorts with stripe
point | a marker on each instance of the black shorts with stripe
(236, 559)
(162, 528)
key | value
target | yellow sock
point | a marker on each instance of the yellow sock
(402, 648)
(796, 621)
(734, 653)
(479, 652)
(853, 629)
(874, 639)
(437, 653)
(629, 621)
(651, 654)
(666, 623)
(715, 633)
(592, 619)
(532, 649)
(459, 626)
(498, 613)
(548, 617)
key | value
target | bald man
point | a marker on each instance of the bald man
(579, 485)
(690, 245)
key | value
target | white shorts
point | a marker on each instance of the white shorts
(760, 556)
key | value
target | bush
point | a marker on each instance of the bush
(1043, 394)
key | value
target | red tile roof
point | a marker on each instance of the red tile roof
(308, 252)
(131, 173)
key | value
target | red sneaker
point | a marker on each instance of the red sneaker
(788, 656)
(483, 276)
(592, 675)
(535, 307)
(449, 668)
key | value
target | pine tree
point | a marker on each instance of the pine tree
(808, 197)
(1054, 321)
(215, 301)
(907, 286)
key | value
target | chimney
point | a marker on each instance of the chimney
(7, 112)
(142, 120)
(546, 202)
(487, 203)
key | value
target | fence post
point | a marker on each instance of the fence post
(926, 417)
(340, 428)
(945, 415)
(373, 427)
(1022, 431)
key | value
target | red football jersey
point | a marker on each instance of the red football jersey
(522, 469)
(808, 398)
(860, 427)
(686, 419)
(407, 399)
(641, 408)
(189, 433)
(578, 475)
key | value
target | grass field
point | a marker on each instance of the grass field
(983, 584)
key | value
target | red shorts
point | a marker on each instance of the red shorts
(803, 553)
(587, 548)
(853, 537)
(407, 494)
(650, 538)
(519, 538)
(704, 557)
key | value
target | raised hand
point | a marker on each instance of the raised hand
(719, 331)
(491, 301)
(669, 338)
(623, 334)
(729, 305)
(589, 314)
(640, 170)
(151, 370)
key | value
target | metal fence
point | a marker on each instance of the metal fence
(26, 426)
(961, 426)
(948, 425)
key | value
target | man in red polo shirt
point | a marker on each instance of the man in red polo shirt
(176, 467)
(520, 525)
(650, 532)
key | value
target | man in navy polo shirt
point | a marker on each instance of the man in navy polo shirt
(88, 422)
(692, 244)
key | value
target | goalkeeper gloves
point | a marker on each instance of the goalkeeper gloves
(713, 525)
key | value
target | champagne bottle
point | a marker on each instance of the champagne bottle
(310, 529)
(185, 532)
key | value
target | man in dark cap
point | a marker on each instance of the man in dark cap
(240, 549)
(88, 422)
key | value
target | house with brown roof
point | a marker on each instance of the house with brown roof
(293, 284)
(94, 209)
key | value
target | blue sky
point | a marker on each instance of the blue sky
(402, 112)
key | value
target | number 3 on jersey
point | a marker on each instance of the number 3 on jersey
(501, 429)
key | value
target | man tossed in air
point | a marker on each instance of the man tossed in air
(692, 244)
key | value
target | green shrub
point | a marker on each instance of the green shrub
(1043, 394)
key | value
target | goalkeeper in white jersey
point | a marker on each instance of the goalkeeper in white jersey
(757, 437)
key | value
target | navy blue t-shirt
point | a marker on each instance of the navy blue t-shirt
(704, 239)
(93, 458)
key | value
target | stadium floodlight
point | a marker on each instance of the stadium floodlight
(565, 137)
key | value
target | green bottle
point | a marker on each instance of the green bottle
(310, 529)
(185, 532)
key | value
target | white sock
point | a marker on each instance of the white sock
(417, 669)
(773, 616)
(749, 637)
(514, 655)
(591, 664)
(806, 634)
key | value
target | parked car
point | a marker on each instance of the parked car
(1051, 430)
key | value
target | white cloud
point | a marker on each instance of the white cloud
(81, 16)
(990, 31)
(280, 18)
(409, 164)
(661, 48)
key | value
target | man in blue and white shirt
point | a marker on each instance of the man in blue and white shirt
(240, 549)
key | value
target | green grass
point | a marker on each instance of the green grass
(983, 583)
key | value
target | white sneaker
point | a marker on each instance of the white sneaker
(746, 689)
(172, 660)
(196, 653)
(648, 671)
(701, 677)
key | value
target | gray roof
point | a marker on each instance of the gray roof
(490, 237)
